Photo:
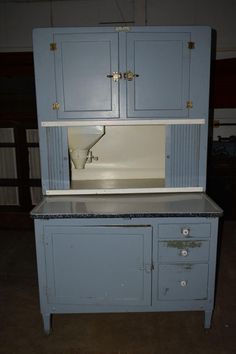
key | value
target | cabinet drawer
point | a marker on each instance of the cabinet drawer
(183, 230)
(183, 282)
(181, 251)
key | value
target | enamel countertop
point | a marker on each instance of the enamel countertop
(148, 205)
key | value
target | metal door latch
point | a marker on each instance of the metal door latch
(129, 75)
(115, 76)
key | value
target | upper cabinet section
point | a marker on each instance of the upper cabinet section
(120, 73)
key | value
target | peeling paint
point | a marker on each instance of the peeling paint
(183, 244)
(187, 266)
(166, 291)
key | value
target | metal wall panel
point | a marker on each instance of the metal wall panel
(34, 163)
(32, 135)
(8, 163)
(7, 135)
(9, 196)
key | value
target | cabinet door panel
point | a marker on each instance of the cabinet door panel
(99, 265)
(82, 63)
(162, 62)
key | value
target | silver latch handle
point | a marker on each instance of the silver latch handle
(115, 76)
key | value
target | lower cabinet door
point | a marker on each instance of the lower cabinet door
(98, 265)
(183, 281)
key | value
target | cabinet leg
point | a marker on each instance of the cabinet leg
(47, 323)
(208, 317)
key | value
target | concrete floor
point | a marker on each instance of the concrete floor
(146, 333)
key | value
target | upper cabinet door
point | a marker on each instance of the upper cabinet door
(160, 63)
(83, 62)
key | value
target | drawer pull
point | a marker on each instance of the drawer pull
(183, 283)
(184, 253)
(185, 231)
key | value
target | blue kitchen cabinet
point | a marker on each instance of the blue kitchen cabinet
(125, 252)
(137, 72)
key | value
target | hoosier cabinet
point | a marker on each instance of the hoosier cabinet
(124, 224)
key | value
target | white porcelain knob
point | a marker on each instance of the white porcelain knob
(183, 283)
(185, 231)
(184, 253)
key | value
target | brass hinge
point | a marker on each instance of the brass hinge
(189, 104)
(53, 46)
(122, 29)
(191, 45)
(56, 106)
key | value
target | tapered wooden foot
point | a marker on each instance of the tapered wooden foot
(47, 323)
(207, 321)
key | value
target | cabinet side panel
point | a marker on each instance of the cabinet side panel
(200, 72)
(44, 74)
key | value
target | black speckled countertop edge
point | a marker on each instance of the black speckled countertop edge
(126, 216)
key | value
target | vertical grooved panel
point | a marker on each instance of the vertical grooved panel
(58, 165)
(184, 156)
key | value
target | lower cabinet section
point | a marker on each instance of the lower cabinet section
(120, 265)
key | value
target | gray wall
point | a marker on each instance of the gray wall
(18, 17)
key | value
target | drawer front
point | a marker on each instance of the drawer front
(181, 251)
(182, 230)
(183, 282)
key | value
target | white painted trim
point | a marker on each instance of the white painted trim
(124, 191)
(83, 122)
